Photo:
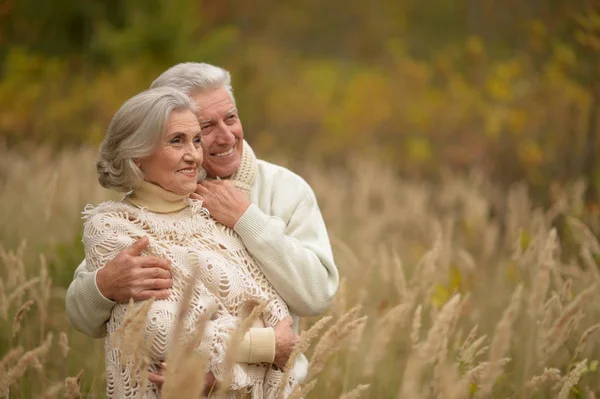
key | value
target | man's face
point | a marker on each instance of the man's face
(222, 133)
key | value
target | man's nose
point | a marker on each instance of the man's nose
(224, 135)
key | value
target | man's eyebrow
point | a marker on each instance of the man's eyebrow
(231, 111)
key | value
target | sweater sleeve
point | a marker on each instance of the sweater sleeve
(257, 346)
(88, 310)
(295, 255)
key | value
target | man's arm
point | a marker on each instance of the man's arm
(87, 308)
(93, 293)
(296, 258)
(292, 248)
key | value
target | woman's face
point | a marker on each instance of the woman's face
(175, 163)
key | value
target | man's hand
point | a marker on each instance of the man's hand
(158, 378)
(224, 201)
(285, 341)
(130, 275)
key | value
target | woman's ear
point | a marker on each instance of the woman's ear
(137, 163)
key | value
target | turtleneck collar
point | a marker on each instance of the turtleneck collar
(157, 199)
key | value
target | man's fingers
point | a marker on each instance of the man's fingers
(147, 294)
(137, 247)
(153, 273)
(156, 378)
(157, 284)
(151, 262)
(201, 189)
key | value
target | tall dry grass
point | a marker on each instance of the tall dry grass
(457, 289)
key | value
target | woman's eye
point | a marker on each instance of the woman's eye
(176, 140)
(197, 140)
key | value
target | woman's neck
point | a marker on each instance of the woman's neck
(157, 199)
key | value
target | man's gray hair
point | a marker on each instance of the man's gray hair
(134, 132)
(195, 77)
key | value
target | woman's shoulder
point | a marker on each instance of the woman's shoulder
(113, 211)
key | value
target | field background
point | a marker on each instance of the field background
(453, 147)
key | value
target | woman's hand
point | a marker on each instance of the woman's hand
(158, 378)
(285, 341)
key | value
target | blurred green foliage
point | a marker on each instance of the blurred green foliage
(509, 87)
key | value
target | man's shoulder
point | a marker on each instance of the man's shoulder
(276, 175)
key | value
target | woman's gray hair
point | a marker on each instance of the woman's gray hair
(195, 77)
(134, 132)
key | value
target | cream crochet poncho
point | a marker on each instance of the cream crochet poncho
(230, 282)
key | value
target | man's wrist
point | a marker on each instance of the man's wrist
(101, 287)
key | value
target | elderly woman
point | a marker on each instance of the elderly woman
(152, 151)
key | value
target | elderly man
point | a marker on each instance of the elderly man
(273, 210)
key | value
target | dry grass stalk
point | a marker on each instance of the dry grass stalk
(572, 379)
(73, 386)
(302, 391)
(558, 334)
(549, 375)
(16, 326)
(333, 339)
(566, 295)
(339, 304)
(10, 357)
(356, 392)
(416, 327)
(14, 265)
(384, 331)
(18, 292)
(500, 343)
(306, 337)
(400, 279)
(129, 337)
(542, 278)
(29, 358)
(185, 377)
(3, 302)
(585, 235)
(479, 371)
(234, 343)
(471, 348)
(584, 339)
(63, 343)
(589, 263)
(54, 390)
(427, 352)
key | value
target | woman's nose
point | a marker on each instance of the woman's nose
(193, 154)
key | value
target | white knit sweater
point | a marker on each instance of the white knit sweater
(230, 283)
(283, 230)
